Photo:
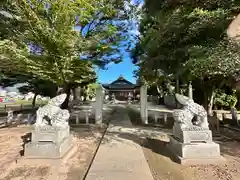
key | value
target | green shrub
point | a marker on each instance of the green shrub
(223, 100)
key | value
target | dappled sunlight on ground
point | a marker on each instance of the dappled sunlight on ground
(163, 167)
(162, 163)
(72, 167)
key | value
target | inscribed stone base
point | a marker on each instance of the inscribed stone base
(48, 150)
(50, 134)
(191, 136)
(195, 153)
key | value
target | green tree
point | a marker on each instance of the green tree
(91, 90)
(187, 39)
(62, 40)
(30, 84)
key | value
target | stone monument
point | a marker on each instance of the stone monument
(99, 105)
(191, 142)
(143, 104)
(51, 135)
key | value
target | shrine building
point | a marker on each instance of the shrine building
(122, 89)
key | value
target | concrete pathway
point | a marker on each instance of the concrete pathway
(119, 157)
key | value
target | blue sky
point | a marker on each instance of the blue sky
(125, 68)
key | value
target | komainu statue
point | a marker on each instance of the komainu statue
(51, 114)
(183, 117)
(191, 142)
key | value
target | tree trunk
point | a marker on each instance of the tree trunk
(85, 97)
(60, 90)
(158, 90)
(34, 100)
(208, 102)
(74, 91)
(190, 90)
(159, 95)
(238, 99)
(84, 93)
(177, 90)
(177, 85)
(205, 102)
(78, 93)
(67, 90)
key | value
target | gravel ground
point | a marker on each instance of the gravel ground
(163, 168)
(73, 166)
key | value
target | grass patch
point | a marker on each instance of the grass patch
(20, 105)
(22, 102)
(27, 102)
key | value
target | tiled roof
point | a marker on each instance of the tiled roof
(120, 83)
(121, 80)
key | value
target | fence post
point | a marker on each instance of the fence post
(77, 119)
(87, 117)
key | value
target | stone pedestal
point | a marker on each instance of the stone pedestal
(49, 142)
(194, 147)
(191, 136)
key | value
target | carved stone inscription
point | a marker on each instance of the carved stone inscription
(200, 136)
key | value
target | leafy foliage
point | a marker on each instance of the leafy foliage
(63, 39)
(29, 84)
(188, 37)
(224, 100)
(186, 40)
(91, 90)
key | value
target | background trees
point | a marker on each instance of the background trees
(62, 41)
(29, 84)
(187, 40)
